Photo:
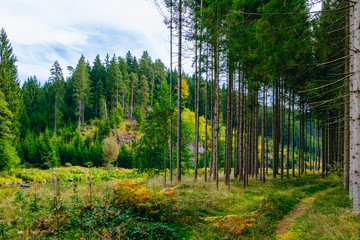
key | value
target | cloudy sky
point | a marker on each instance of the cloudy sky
(42, 31)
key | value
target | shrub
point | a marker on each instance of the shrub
(110, 150)
(8, 155)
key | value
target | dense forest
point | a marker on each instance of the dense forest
(274, 94)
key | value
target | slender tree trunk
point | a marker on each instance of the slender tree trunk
(216, 89)
(206, 107)
(178, 157)
(267, 134)
(305, 141)
(256, 135)
(318, 144)
(288, 138)
(262, 157)
(346, 106)
(293, 134)
(310, 147)
(165, 147)
(274, 122)
(229, 132)
(196, 108)
(171, 78)
(241, 124)
(282, 111)
(301, 139)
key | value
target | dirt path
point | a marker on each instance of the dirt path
(285, 224)
(284, 230)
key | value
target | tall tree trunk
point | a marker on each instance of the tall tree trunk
(293, 134)
(310, 146)
(267, 134)
(196, 108)
(318, 144)
(241, 123)
(256, 135)
(346, 106)
(229, 130)
(262, 154)
(171, 88)
(282, 111)
(274, 123)
(355, 105)
(178, 156)
(216, 89)
(301, 149)
(206, 122)
(288, 138)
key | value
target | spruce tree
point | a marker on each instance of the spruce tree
(9, 82)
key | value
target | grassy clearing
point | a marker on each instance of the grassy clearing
(108, 208)
(241, 213)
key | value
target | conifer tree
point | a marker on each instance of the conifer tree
(81, 89)
(58, 82)
(9, 82)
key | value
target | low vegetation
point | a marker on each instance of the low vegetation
(113, 203)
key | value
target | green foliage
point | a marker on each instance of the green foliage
(5, 119)
(8, 155)
(126, 156)
(117, 116)
(9, 82)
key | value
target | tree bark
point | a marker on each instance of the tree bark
(178, 156)
(216, 105)
(355, 104)
(171, 78)
(293, 134)
(288, 138)
(262, 154)
(346, 108)
(196, 108)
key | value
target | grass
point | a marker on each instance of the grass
(19, 175)
(329, 217)
(198, 209)
(262, 205)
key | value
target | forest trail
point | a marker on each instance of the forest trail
(284, 230)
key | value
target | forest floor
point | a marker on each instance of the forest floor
(118, 203)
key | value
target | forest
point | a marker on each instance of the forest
(128, 147)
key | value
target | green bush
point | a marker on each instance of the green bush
(8, 155)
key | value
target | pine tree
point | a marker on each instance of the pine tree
(97, 77)
(81, 88)
(58, 82)
(9, 82)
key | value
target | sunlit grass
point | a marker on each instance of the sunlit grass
(329, 217)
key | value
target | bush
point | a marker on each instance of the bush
(110, 150)
(8, 155)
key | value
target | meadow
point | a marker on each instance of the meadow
(115, 203)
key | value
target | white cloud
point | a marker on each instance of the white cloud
(42, 31)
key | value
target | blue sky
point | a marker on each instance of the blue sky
(42, 31)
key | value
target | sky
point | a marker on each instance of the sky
(42, 31)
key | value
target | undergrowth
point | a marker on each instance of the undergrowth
(129, 211)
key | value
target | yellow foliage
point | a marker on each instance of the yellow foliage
(232, 226)
(134, 195)
(184, 89)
